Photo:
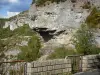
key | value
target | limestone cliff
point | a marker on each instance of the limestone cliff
(54, 22)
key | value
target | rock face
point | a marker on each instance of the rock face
(54, 16)
(54, 22)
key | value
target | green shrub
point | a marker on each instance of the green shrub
(84, 41)
(61, 52)
(30, 52)
(93, 20)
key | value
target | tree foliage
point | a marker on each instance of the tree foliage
(84, 40)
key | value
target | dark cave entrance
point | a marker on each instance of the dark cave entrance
(45, 33)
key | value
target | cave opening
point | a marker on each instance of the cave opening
(46, 36)
(45, 33)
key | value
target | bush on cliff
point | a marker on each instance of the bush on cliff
(84, 41)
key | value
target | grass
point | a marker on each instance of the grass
(61, 52)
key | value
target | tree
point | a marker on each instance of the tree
(84, 40)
